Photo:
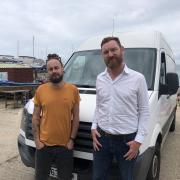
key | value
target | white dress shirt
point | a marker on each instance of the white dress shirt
(122, 105)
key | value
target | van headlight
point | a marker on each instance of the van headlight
(23, 119)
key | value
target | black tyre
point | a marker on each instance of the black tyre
(154, 170)
(173, 125)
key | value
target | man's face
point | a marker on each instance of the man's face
(55, 71)
(112, 54)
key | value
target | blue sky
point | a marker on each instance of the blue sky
(61, 25)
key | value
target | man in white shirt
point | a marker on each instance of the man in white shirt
(121, 116)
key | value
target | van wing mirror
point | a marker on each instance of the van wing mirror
(172, 80)
(172, 84)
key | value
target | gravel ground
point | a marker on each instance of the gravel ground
(11, 167)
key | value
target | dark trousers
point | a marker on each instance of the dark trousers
(113, 146)
(61, 156)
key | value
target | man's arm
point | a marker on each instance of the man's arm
(94, 132)
(75, 126)
(143, 110)
(36, 126)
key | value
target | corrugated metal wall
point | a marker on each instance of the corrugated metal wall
(19, 74)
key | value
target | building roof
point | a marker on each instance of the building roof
(6, 55)
(31, 57)
(7, 65)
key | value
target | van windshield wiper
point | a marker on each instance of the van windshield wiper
(84, 85)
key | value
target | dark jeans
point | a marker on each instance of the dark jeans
(61, 156)
(113, 146)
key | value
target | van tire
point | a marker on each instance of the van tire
(154, 170)
(173, 124)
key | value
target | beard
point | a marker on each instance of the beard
(56, 78)
(114, 62)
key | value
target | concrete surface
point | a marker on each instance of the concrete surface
(11, 167)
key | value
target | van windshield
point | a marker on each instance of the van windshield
(84, 66)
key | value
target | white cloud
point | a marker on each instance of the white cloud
(61, 25)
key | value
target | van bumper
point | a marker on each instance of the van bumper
(27, 153)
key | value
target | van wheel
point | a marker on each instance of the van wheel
(154, 170)
(173, 125)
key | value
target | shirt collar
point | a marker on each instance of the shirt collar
(125, 70)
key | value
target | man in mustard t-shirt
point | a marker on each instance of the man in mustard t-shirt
(55, 122)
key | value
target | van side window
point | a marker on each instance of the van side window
(163, 70)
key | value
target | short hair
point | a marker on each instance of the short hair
(107, 39)
(54, 56)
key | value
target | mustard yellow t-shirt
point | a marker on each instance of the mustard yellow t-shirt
(57, 104)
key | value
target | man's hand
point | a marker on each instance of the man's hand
(96, 143)
(70, 144)
(133, 150)
(39, 145)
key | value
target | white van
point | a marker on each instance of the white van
(145, 52)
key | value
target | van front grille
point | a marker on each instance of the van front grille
(83, 140)
(28, 127)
